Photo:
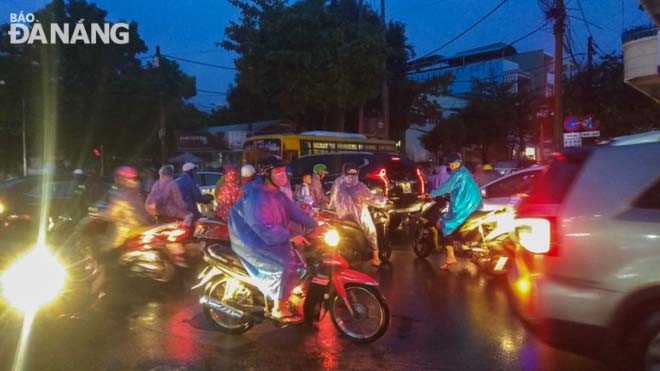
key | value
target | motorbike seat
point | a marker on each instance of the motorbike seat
(223, 254)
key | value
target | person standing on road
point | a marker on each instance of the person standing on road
(190, 191)
(165, 201)
(317, 190)
(465, 199)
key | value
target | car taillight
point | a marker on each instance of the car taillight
(381, 175)
(422, 185)
(534, 234)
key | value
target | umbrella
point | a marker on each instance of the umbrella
(185, 157)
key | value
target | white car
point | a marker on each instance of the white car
(586, 272)
(502, 192)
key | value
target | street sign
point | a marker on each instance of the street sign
(589, 123)
(572, 124)
(572, 140)
(591, 134)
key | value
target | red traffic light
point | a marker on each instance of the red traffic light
(97, 153)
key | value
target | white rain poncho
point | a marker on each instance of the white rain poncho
(352, 201)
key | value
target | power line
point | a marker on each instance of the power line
(586, 23)
(212, 92)
(466, 30)
(200, 63)
(539, 28)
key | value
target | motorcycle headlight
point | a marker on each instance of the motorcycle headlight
(33, 280)
(2, 208)
(331, 238)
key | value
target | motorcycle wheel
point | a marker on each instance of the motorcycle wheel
(221, 321)
(384, 246)
(423, 243)
(168, 273)
(372, 314)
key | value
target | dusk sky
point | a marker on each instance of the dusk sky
(190, 29)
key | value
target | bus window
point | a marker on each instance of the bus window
(255, 150)
(347, 146)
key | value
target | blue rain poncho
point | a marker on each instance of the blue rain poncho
(465, 199)
(258, 228)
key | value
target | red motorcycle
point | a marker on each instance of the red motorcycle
(233, 303)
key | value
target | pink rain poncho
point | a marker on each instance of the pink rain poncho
(258, 227)
(352, 201)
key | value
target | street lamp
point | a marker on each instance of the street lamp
(2, 83)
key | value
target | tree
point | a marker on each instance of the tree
(103, 92)
(311, 61)
(620, 108)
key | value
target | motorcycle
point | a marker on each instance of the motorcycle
(233, 303)
(482, 238)
(154, 252)
(356, 248)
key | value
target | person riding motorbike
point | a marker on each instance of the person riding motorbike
(190, 191)
(465, 198)
(351, 200)
(317, 190)
(125, 209)
(259, 233)
(165, 201)
(227, 194)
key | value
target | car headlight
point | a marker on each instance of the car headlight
(2, 208)
(33, 280)
(331, 238)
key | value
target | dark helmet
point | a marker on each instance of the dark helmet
(268, 163)
(350, 167)
(454, 157)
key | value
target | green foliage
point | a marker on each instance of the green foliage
(104, 93)
(620, 108)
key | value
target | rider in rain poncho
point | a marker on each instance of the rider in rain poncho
(465, 199)
(258, 227)
(351, 199)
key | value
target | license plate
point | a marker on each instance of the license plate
(406, 188)
(500, 263)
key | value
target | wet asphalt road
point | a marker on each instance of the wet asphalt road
(455, 320)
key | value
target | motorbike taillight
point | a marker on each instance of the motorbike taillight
(380, 175)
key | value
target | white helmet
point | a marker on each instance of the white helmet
(247, 171)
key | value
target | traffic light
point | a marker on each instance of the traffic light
(96, 152)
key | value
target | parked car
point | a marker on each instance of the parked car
(387, 174)
(502, 192)
(507, 167)
(585, 275)
(21, 198)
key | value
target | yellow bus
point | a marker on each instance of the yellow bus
(291, 146)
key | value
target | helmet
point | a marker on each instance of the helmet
(350, 167)
(166, 170)
(488, 167)
(319, 168)
(126, 172)
(78, 172)
(454, 157)
(247, 171)
(268, 163)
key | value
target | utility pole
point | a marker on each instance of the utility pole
(162, 131)
(559, 14)
(23, 135)
(361, 108)
(386, 90)
(590, 76)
